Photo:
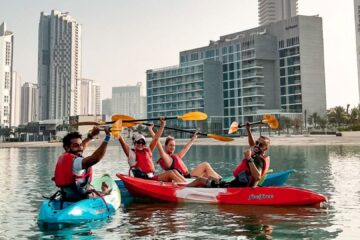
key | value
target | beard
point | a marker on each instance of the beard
(257, 150)
(77, 153)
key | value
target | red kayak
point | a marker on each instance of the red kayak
(271, 196)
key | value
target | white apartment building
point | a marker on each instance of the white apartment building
(127, 100)
(357, 33)
(29, 102)
(6, 72)
(59, 66)
(90, 97)
(15, 99)
(276, 10)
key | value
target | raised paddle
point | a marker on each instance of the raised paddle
(214, 136)
(195, 116)
(115, 129)
(190, 116)
(127, 118)
(268, 119)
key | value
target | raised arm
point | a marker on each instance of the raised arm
(162, 153)
(250, 136)
(255, 173)
(187, 146)
(124, 145)
(95, 131)
(98, 154)
(158, 134)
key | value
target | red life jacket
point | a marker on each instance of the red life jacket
(177, 163)
(64, 176)
(243, 166)
(144, 161)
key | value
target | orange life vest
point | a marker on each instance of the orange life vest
(177, 163)
(144, 161)
(64, 176)
(243, 166)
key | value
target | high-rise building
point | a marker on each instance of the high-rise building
(97, 99)
(127, 101)
(59, 66)
(6, 74)
(29, 102)
(90, 97)
(276, 10)
(275, 68)
(15, 99)
(357, 33)
(106, 106)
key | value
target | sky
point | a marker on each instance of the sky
(123, 38)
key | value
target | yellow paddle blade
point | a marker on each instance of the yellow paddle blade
(220, 138)
(233, 127)
(116, 129)
(193, 116)
(271, 121)
(124, 118)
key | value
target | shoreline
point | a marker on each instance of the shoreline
(351, 139)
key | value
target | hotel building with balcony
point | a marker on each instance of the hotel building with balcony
(274, 68)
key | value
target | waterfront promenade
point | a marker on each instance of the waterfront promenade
(347, 138)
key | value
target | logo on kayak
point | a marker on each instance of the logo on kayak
(260, 196)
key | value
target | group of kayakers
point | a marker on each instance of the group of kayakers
(73, 172)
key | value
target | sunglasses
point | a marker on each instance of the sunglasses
(260, 144)
(140, 142)
(76, 145)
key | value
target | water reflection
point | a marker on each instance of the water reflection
(25, 175)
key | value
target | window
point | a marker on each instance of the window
(282, 81)
(282, 62)
(282, 72)
(7, 80)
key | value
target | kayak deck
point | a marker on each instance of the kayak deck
(62, 212)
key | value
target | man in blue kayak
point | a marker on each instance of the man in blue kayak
(73, 172)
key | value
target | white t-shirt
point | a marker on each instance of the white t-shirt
(78, 170)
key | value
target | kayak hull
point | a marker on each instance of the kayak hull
(61, 212)
(271, 179)
(270, 196)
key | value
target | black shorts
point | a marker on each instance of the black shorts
(185, 176)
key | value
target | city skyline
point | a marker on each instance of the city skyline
(132, 34)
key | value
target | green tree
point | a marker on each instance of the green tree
(285, 123)
(337, 115)
(323, 123)
(314, 119)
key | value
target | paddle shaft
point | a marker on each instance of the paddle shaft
(176, 129)
(253, 123)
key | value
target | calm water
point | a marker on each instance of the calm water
(331, 170)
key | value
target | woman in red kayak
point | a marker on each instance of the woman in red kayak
(170, 160)
(254, 165)
(140, 158)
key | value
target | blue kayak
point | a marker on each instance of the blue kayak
(58, 212)
(277, 179)
(271, 179)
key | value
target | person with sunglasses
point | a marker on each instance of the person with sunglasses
(140, 158)
(170, 160)
(254, 165)
(73, 172)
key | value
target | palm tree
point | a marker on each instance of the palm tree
(285, 122)
(314, 118)
(323, 122)
(337, 115)
(354, 116)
